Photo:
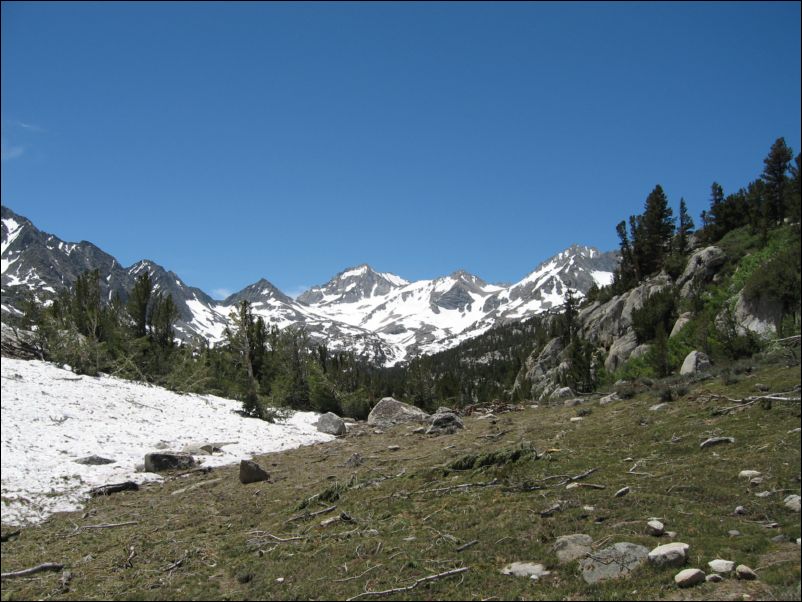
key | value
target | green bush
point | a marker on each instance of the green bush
(660, 308)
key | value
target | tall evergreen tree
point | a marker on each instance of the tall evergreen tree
(775, 176)
(139, 303)
(654, 232)
(686, 226)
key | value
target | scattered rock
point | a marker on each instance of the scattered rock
(570, 547)
(113, 488)
(670, 554)
(331, 424)
(609, 399)
(576, 419)
(695, 361)
(573, 485)
(740, 510)
(488, 416)
(570, 403)
(561, 393)
(721, 566)
(200, 449)
(761, 387)
(748, 474)
(671, 534)
(551, 510)
(94, 460)
(251, 472)
(715, 441)
(658, 406)
(792, 502)
(445, 423)
(744, 572)
(389, 412)
(444, 410)
(689, 577)
(393, 447)
(419, 430)
(734, 533)
(781, 538)
(612, 562)
(756, 481)
(354, 461)
(525, 569)
(714, 578)
(655, 527)
(763, 494)
(622, 492)
(158, 462)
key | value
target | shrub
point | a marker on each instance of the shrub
(658, 309)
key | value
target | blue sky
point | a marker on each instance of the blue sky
(230, 142)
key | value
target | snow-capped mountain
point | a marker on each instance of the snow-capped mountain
(377, 315)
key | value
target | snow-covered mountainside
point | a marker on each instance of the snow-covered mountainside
(378, 315)
(51, 418)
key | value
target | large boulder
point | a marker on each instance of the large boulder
(389, 412)
(620, 351)
(670, 554)
(695, 361)
(161, 461)
(613, 562)
(331, 424)
(570, 547)
(682, 320)
(701, 267)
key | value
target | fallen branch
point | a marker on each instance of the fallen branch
(412, 586)
(312, 514)
(457, 487)
(106, 526)
(114, 488)
(359, 575)
(47, 566)
(465, 546)
(578, 477)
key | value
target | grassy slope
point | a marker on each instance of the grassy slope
(401, 532)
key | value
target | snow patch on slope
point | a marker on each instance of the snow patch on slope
(52, 417)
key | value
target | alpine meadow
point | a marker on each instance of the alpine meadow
(613, 414)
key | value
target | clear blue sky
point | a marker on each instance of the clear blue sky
(230, 142)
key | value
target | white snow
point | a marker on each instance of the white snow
(14, 229)
(602, 278)
(51, 417)
(355, 272)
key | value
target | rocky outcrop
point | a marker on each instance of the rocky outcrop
(682, 320)
(701, 268)
(760, 317)
(389, 412)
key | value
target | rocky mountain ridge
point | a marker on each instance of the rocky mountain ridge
(378, 315)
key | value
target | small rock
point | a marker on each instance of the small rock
(740, 510)
(714, 578)
(393, 447)
(525, 569)
(158, 462)
(419, 430)
(734, 533)
(749, 474)
(280, 580)
(655, 527)
(589, 508)
(756, 481)
(622, 492)
(570, 547)
(670, 554)
(354, 461)
(763, 493)
(573, 485)
(792, 502)
(576, 418)
(671, 534)
(744, 572)
(715, 441)
(761, 387)
(570, 403)
(444, 423)
(612, 562)
(609, 399)
(658, 406)
(378, 432)
(487, 416)
(251, 472)
(94, 460)
(721, 566)
(781, 538)
(689, 577)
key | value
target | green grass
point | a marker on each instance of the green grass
(406, 524)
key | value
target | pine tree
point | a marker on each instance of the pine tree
(686, 226)
(162, 319)
(775, 177)
(653, 232)
(139, 303)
